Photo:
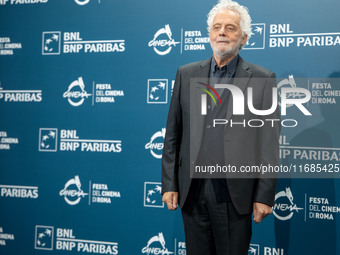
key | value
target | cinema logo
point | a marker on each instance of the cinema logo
(69, 141)
(20, 96)
(82, 2)
(193, 40)
(65, 240)
(238, 105)
(6, 142)
(325, 91)
(72, 191)
(284, 207)
(98, 192)
(101, 193)
(73, 43)
(156, 245)
(101, 93)
(5, 237)
(76, 93)
(290, 83)
(156, 144)
(16, 191)
(320, 208)
(162, 41)
(7, 47)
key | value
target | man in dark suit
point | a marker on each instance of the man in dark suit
(217, 211)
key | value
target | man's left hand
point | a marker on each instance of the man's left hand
(260, 211)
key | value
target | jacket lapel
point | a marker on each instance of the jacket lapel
(200, 74)
(242, 76)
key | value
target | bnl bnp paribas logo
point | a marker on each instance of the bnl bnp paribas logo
(157, 92)
(153, 195)
(257, 37)
(43, 237)
(56, 42)
(254, 249)
(64, 239)
(70, 142)
(284, 207)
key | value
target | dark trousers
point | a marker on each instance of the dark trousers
(213, 228)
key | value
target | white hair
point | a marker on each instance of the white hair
(245, 21)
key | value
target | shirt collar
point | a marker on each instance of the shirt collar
(231, 66)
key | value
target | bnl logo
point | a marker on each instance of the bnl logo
(157, 91)
(51, 43)
(153, 194)
(44, 237)
(48, 139)
(257, 39)
(254, 249)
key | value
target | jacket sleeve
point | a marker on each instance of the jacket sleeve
(172, 140)
(269, 147)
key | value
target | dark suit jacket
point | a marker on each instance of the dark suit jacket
(242, 145)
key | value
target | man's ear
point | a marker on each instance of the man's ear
(244, 39)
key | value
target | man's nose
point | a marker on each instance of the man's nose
(222, 31)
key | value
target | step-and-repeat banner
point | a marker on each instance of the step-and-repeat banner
(85, 87)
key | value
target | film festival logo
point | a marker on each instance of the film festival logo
(156, 245)
(156, 144)
(254, 249)
(290, 83)
(257, 39)
(76, 93)
(157, 91)
(82, 2)
(72, 191)
(284, 207)
(51, 43)
(162, 41)
(43, 237)
(48, 139)
(153, 194)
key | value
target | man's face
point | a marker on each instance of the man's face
(226, 34)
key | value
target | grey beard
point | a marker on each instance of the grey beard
(225, 54)
(228, 53)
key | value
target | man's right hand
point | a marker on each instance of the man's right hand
(171, 199)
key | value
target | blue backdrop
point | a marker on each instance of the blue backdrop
(85, 87)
